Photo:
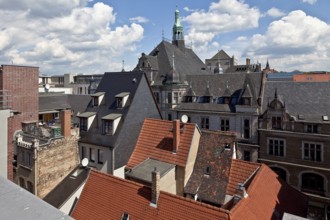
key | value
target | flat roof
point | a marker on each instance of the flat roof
(112, 116)
(122, 94)
(97, 94)
(86, 114)
(18, 203)
(143, 170)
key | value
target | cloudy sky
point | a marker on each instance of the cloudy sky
(92, 37)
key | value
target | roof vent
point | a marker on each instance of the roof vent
(125, 216)
(134, 80)
(325, 118)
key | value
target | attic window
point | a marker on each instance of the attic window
(325, 118)
(207, 170)
(110, 123)
(227, 147)
(97, 98)
(121, 99)
(125, 216)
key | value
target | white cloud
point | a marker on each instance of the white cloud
(139, 19)
(78, 39)
(296, 41)
(221, 17)
(312, 2)
(275, 12)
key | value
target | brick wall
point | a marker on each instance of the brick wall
(22, 83)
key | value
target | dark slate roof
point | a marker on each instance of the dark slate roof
(53, 101)
(236, 82)
(143, 170)
(310, 99)
(221, 55)
(78, 105)
(67, 187)
(211, 153)
(18, 203)
(186, 61)
(243, 68)
(133, 114)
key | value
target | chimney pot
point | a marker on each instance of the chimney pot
(155, 186)
(247, 61)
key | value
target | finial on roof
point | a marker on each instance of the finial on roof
(123, 64)
(275, 95)
(163, 34)
(208, 84)
(227, 84)
(267, 65)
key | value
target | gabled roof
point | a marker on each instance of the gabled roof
(18, 203)
(222, 85)
(310, 99)
(140, 104)
(212, 154)
(221, 55)
(240, 171)
(108, 197)
(269, 197)
(186, 61)
(156, 142)
(67, 187)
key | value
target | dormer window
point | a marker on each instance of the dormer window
(85, 120)
(121, 99)
(110, 123)
(312, 128)
(246, 101)
(97, 99)
(125, 216)
(207, 170)
(276, 123)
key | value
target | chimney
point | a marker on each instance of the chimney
(240, 191)
(176, 135)
(155, 186)
(65, 117)
(248, 61)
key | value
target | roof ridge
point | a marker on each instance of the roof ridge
(247, 162)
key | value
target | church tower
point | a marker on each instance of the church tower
(178, 38)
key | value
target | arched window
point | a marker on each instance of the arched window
(280, 172)
(311, 182)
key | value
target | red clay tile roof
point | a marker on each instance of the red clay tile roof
(108, 197)
(239, 172)
(156, 142)
(268, 194)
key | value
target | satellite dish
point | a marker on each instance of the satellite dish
(84, 162)
(184, 118)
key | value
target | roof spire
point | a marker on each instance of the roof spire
(163, 34)
(123, 64)
(177, 37)
(275, 95)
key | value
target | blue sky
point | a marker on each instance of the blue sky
(81, 36)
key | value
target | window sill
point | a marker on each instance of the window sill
(25, 167)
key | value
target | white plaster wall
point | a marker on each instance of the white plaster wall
(66, 207)
(120, 172)
(4, 114)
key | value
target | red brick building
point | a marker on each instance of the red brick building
(21, 84)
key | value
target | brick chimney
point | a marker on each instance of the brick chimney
(176, 135)
(65, 117)
(247, 61)
(155, 186)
